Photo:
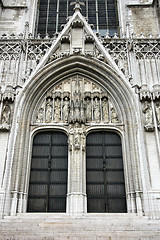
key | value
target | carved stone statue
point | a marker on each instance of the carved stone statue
(77, 137)
(96, 109)
(158, 113)
(147, 110)
(88, 110)
(65, 109)
(6, 112)
(40, 115)
(77, 110)
(114, 116)
(49, 110)
(105, 110)
(57, 110)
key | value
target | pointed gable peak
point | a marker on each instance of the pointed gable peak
(78, 5)
(77, 38)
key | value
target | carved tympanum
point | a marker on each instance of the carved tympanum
(76, 99)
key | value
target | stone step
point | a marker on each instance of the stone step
(87, 227)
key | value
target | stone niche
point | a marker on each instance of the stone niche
(76, 99)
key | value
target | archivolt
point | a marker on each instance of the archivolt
(56, 71)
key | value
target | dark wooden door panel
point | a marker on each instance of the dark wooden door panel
(105, 176)
(49, 170)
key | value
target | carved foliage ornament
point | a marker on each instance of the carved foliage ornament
(76, 100)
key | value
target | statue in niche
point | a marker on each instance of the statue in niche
(49, 110)
(88, 110)
(147, 110)
(96, 109)
(57, 110)
(114, 116)
(40, 115)
(6, 113)
(77, 109)
(105, 109)
(65, 109)
(158, 113)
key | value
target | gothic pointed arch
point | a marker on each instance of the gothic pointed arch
(58, 98)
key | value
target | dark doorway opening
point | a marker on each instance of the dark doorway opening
(105, 175)
(49, 169)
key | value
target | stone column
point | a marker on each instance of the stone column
(76, 198)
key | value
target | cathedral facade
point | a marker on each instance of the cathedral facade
(80, 107)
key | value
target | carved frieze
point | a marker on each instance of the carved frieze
(76, 100)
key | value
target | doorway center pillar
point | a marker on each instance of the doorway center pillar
(76, 197)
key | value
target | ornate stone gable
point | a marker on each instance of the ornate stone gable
(76, 100)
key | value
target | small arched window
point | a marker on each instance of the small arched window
(101, 13)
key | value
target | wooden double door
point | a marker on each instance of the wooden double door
(49, 173)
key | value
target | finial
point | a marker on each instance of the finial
(78, 5)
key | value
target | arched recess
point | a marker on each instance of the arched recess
(53, 73)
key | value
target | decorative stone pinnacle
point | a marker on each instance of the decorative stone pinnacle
(78, 5)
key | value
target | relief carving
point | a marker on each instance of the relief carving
(76, 137)
(76, 100)
(148, 116)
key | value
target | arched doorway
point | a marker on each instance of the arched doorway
(105, 176)
(48, 177)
